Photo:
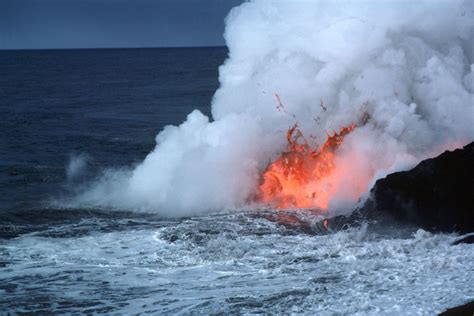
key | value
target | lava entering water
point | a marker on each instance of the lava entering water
(302, 177)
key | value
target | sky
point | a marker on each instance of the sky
(40, 24)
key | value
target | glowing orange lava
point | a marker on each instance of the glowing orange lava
(301, 176)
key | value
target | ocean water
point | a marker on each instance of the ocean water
(62, 110)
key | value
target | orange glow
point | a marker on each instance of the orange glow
(302, 177)
(326, 223)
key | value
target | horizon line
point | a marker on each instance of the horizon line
(106, 48)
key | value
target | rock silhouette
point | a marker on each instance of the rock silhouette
(436, 195)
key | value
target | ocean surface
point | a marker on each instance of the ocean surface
(65, 109)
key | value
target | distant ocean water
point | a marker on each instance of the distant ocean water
(109, 104)
(103, 108)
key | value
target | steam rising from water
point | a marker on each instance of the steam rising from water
(402, 71)
(76, 166)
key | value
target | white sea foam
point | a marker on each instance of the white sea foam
(236, 264)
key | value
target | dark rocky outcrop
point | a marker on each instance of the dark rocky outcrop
(466, 309)
(436, 195)
(468, 239)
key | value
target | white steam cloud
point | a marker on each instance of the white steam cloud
(404, 67)
(76, 166)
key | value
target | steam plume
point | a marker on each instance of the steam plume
(402, 71)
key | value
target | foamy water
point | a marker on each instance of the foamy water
(231, 263)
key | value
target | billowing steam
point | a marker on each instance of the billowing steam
(401, 71)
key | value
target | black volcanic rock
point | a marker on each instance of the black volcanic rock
(437, 195)
(469, 239)
(466, 309)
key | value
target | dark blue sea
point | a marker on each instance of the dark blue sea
(108, 106)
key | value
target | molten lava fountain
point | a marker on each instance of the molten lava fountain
(302, 177)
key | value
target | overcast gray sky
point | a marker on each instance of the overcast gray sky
(112, 23)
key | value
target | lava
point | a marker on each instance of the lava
(302, 177)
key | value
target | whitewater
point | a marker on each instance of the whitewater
(232, 263)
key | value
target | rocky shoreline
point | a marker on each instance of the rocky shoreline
(437, 195)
